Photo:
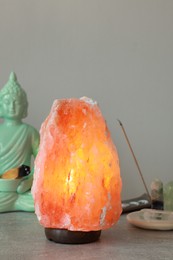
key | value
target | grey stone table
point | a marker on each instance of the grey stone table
(22, 237)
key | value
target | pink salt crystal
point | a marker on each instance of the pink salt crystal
(77, 182)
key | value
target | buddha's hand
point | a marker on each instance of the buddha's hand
(25, 184)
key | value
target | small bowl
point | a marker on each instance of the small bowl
(151, 219)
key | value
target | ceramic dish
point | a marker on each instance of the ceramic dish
(151, 219)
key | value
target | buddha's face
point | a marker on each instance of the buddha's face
(12, 107)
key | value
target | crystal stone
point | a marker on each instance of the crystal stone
(77, 183)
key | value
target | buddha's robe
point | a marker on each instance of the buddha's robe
(17, 150)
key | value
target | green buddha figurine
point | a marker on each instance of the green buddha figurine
(19, 142)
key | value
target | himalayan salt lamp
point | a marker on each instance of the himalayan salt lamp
(77, 183)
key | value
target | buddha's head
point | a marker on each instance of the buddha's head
(13, 100)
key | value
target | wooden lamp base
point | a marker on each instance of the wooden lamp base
(65, 236)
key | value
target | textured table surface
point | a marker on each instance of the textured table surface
(22, 237)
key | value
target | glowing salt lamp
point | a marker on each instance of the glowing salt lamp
(77, 182)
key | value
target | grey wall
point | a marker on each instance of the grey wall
(118, 52)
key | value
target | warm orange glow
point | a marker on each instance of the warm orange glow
(77, 182)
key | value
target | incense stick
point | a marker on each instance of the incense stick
(134, 157)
